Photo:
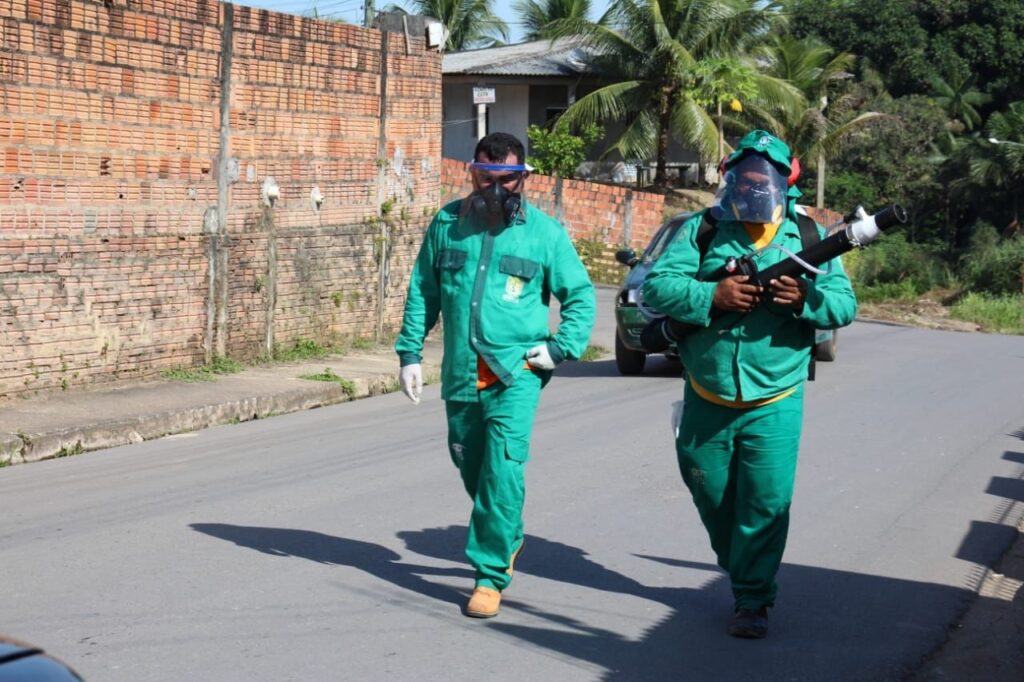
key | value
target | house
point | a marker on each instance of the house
(512, 87)
(507, 88)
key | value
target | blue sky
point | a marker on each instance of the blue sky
(352, 10)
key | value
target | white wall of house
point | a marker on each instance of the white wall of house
(508, 114)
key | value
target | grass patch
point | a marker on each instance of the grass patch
(361, 343)
(302, 349)
(219, 366)
(997, 314)
(328, 374)
(593, 352)
(75, 449)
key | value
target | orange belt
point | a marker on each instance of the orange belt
(485, 376)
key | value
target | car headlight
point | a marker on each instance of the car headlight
(632, 296)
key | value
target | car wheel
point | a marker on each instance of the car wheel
(826, 350)
(627, 360)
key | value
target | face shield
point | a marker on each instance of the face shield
(754, 191)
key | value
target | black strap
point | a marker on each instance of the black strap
(806, 225)
(706, 232)
(808, 232)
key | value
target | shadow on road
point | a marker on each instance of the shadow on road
(376, 560)
(829, 624)
(884, 626)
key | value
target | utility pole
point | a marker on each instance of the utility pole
(368, 13)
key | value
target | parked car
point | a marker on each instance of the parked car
(630, 357)
(20, 662)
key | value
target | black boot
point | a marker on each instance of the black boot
(749, 624)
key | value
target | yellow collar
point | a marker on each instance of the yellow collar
(761, 233)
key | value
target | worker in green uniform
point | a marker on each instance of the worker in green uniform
(739, 432)
(489, 265)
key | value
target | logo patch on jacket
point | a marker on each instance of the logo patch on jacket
(513, 289)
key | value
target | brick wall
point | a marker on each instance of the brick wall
(132, 234)
(306, 111)
(588, 210)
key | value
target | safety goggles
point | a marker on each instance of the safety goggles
(501, 173)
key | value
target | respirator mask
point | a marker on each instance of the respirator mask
(492, 204)
(754, 192)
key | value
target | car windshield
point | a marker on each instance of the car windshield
(662, 240)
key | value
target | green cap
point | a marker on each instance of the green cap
(764, 143)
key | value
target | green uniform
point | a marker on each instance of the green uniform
(492, 291)
(740, 463)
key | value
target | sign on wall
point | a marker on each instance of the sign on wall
(483, 96)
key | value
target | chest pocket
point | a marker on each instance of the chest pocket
(451, 266)
(520, 278)
(518, 267)
(451, 259)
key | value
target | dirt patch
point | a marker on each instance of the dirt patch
(925, 312)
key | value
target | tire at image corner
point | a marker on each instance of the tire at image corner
(629, 362)
(826, 350)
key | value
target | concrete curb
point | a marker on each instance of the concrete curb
(18, 448)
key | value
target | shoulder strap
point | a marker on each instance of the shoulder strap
(808, 233)
(808, 236)
(706, 232)
(808, 230)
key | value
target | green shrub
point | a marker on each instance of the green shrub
(992, 265)
(894, 260)
(848, 189)
(557, 151)
(998, 314)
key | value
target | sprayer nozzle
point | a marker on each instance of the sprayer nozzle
(890, 216)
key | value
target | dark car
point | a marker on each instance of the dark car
(20, 662)
(630, 357)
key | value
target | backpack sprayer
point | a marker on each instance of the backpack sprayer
(861, 229)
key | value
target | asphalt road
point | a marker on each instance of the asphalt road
(326, 545)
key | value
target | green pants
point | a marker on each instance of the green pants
(489, 442)
(739, 465)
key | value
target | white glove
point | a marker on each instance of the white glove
(539, 357)
(410, 377)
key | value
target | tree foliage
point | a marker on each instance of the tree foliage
(654, 56)
(559, 152)
(538, 16)
(469, 23)
(913, 40)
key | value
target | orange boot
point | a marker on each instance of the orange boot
(484, 603)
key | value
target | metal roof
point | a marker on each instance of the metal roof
(563, 57)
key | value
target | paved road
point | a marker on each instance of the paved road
(326, 545)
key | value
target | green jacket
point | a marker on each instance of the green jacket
(757, 355)
(492, 292)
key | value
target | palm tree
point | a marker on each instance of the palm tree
(538, 15)
(1000, 163)
(958, 97)
(816, 126)
(469, 23)
(650, 52)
